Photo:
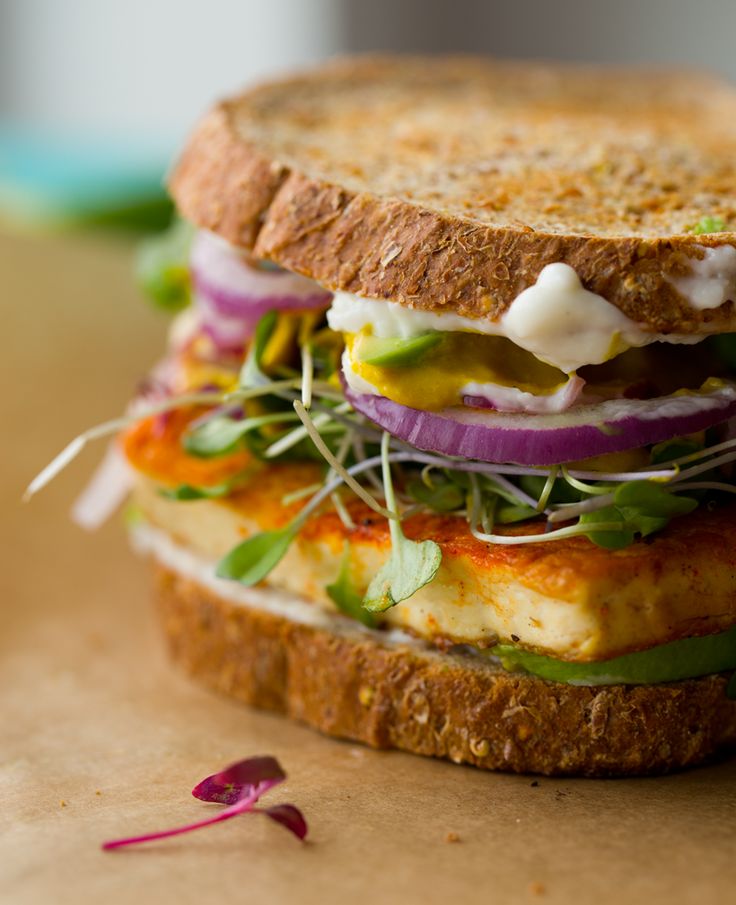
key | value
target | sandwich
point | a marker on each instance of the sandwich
(441, 454)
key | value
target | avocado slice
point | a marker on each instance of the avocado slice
(393, 352)
(684, 659)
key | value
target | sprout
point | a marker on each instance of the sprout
(239, 787)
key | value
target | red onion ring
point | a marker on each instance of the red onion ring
(593, 430)
(229, 286)
(228, 336)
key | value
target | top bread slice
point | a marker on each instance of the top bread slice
(449, 183)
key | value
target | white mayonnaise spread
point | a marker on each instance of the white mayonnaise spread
(556, 319)
(564, 324)
(350, 313)
(713, 278)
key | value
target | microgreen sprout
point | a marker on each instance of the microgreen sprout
(251, 374)
(188, 492)
(345, 596)
(288, 441)
(107, 429)
(253, 559)
(610, 508)
(357, 488)
(583, 487)
(411, 564)
(547, 489)
(307, 375)
(238, 787)
(511, 540)
(708, 224)
(220, 435)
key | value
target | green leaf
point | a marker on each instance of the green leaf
(344, 595)
(610, 540)
(215, 437)
(461, 478)
(510, 513)
(562, 492)
(674, 449)
(186, 492)
(650, 499)
(708, 225)
(394, 352)
(251, 561)
(642, 507)
(251, 374)
(442, 496)
(411, 565)
(222, 434)
(162, 266)
(670, 662)
(646, 524)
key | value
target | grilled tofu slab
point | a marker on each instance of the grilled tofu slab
(569, 599)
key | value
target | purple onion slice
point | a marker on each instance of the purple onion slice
(592, 430)
(228, 285)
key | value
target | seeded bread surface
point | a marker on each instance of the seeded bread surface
(449, 183)
(439, 704)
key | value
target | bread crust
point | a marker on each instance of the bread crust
(278, 198)
(438, 704)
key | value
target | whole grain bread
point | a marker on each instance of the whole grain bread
(439, 704)
(451, 182)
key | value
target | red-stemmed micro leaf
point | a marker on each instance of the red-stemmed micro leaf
(239, 786)
(289, 816)
(235, 781)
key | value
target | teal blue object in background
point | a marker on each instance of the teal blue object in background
(51, 181)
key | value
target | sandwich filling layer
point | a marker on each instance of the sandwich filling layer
(677, 660)
(556, 487)
(556, 319)
(570, 600)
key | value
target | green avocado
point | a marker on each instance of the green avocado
(392, 352)
(671, 662)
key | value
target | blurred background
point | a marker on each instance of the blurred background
(96, 95)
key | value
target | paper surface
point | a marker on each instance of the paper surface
(100, 737)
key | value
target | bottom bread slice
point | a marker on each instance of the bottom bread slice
(395, 693)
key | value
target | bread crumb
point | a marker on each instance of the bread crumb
(537, 889)
(62, 803)
(97, 792)
(452, 837)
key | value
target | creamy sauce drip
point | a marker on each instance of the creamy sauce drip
(712, 280)
(556, 319)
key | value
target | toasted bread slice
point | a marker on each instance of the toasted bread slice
(391, 692)
(449, 183)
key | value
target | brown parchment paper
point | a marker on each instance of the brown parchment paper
(100, 737)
